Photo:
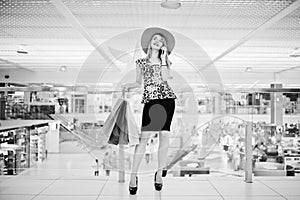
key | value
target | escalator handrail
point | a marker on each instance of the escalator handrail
(178, 156)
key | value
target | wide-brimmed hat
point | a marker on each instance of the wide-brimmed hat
(150, 32)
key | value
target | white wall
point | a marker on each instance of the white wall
(52, 137)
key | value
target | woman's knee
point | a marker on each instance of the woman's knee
(145, 136)
(164, 134)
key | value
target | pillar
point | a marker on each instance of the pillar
(217, 103)
(248, 145)
(276, 106)
(122, 157)
(26, 97)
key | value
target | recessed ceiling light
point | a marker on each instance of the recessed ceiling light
(295, 53)
(248, 69)
(171, 4)
(63, 68)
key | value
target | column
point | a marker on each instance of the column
(248, 145)
(217, 103)
(26, 97)
(276, 106)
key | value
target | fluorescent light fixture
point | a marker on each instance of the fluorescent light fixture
(295, 53)
(105, 84)
(63, 68)
(248, 69)
(47, 85)
(18, 93)
(171, 4)
(22, 49)
(61, 89)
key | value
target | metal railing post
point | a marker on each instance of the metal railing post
(248, 144)
(122, 156)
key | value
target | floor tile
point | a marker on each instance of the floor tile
(253, 197)
(21, 186)
(282, 184)
(39, 177)
(82, 177)
(186, 187)
(288, 191)
(4, 178)
(46, 197)
(74, 187)
(170, 188)
(16, 197)
(159, 197)
(293, 197)
(121, 189)
(284, 187)
(240, 188)
(58, 180)
(277, 178)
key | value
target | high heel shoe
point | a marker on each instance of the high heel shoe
(132, 190)
(158, 186)
(164, 172)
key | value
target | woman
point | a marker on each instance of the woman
(158, 99)
(106, 163)
(236, 158)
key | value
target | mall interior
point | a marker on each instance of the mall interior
(235, 71)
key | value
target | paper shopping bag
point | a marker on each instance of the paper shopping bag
(119, 134)
(111, 119)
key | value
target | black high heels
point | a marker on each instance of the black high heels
(164, 172)
(158, 186)
(132, 190)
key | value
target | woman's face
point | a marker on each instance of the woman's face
(157, 42)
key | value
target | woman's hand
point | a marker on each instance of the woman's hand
(128, 86)
(163, 55)
(125, 87)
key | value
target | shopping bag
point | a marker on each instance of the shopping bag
(119, 134)
(133, 129)
(120, 126)
(111, 119)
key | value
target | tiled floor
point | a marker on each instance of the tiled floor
(70, 176)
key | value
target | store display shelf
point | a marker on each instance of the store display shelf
(14, 124)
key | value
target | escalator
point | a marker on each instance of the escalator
(82, 137)
(209, 141)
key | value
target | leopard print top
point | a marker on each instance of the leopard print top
(154, 85)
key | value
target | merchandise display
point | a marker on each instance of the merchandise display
(38, 144)
(276, 148)
(273, 152)
(22, 147)
(14, 147)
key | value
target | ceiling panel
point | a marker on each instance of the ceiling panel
(215, 25)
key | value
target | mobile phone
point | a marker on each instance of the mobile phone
(159, 52)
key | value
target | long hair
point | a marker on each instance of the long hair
(149, 50)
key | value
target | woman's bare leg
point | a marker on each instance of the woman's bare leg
(138, 155)
(162, 153)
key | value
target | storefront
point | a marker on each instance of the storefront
(23, 144)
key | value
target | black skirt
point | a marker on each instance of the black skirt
(158, 115)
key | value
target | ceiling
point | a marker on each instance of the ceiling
(224, 35)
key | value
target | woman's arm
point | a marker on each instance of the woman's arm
(165, 72)
(166, 64)
(137, 83)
